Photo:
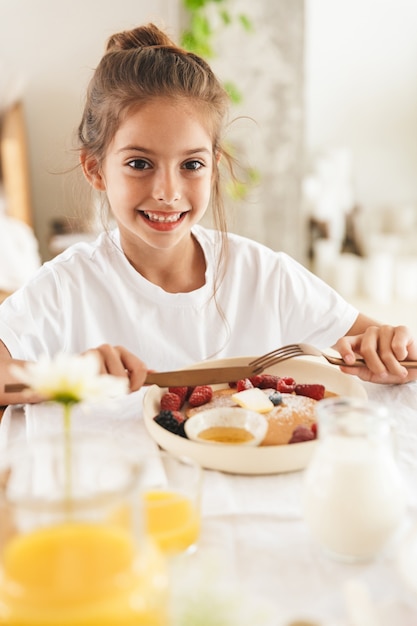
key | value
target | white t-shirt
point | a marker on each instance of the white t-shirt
(90, 295)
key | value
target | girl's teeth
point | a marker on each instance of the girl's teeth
(156, 217)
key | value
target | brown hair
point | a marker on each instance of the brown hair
(143, 64)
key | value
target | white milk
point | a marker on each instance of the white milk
(353, 496)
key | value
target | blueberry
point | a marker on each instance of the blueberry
(276, 398)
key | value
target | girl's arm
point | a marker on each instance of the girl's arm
(7, 378)
(114, 360)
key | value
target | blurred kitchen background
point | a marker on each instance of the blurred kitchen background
(326, 124)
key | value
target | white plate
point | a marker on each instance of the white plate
(247, 460)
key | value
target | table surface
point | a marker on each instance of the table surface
(255, 546)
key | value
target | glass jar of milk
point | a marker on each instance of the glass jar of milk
(353, 496)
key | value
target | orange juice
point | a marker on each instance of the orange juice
(172, 520)
(80, 574)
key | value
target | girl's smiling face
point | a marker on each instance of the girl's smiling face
(157, 173)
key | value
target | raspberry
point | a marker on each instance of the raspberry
(170, 402)
(286, 385)
(167, 420)
(276, 398)
(181, 392)
(301, 433)
(243, 384)
(200, 395)
(314, 391)
(177, 415)
(268, 381)
(256, 380)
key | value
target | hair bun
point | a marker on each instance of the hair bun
(139, 37)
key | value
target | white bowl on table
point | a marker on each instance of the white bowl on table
(251, 426)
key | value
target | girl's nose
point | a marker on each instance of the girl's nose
(168, 198)
(166, 188)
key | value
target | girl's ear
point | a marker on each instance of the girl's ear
(92, 171)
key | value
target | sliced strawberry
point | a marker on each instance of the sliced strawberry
(170, 402)
(200, 395)
(314, 429)
(243, 384)
(181, 392)
(312, 390)
(286, 384)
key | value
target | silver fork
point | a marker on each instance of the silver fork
(304, 349)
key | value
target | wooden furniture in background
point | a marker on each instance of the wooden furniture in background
(14, 169)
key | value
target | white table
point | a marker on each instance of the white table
(255, 547)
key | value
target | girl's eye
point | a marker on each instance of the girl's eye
(193, 165)
(138, 164)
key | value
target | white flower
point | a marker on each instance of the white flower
(70, 379)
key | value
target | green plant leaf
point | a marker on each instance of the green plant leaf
(254, 176)
(197, 46)
(245, 22)
(226, 17)
(237, 190)
(199, 38)
(234, 94)
(200, 25)
(187, 40)
(194, 5)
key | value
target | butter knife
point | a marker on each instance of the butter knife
(181, 378)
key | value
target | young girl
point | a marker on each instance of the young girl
(160, 289)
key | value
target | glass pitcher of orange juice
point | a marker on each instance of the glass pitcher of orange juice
(72, 547)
